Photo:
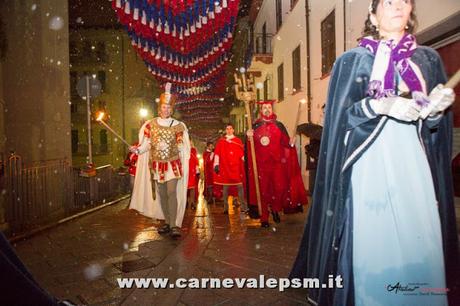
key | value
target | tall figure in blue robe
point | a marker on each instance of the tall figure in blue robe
(383, 215)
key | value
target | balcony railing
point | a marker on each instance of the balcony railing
(262, 44)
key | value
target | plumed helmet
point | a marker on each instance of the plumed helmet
(167, 97)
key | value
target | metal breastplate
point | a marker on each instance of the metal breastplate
(163, 140)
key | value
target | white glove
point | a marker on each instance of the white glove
(397, 107)
(134, 149)
(440, 99)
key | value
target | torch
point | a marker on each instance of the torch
(101, 121)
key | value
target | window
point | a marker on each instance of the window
(103, 141)
(74, 141)
(73, 83)
(101, 78)
(74, 107)
(73, 49)
(101, 51)
(279, 14)
(280, 82)
(264, 38)
(266, 90)
(328, 43)
(296, 69)
(251, 35)
(87, 49)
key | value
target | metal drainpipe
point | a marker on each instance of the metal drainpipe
(307, 21)
(344, 26)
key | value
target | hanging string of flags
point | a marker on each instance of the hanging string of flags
(206, 118)
(202, 98)
(183, 30)
(185, 42)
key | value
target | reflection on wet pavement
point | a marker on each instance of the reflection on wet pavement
(81, 260)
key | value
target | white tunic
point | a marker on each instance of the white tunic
(142, 196)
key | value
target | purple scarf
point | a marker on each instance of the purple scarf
(383, 82)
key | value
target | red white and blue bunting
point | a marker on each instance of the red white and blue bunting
(185, 42)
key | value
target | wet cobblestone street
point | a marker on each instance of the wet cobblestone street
(82, 259)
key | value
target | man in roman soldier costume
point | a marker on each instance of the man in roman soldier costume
(280, 181)
(229, 166)
(162, 168)
(208, 163)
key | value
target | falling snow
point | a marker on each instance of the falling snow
(93, 271)
(56, 23)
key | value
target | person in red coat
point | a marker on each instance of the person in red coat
(208, 163)
(193, 178)
(228, 166)
(280, 182)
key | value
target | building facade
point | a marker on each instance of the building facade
(294, 45)
(279, 63)
(127, 87)
(35, 80)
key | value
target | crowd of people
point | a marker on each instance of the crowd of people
(382, 214)
(166, 170)
(383, 205)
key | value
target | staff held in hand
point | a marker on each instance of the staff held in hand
(441, 97)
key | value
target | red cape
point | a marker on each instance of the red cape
(295, 194)
(193, 164)
(208, 164)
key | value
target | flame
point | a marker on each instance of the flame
(100, 116)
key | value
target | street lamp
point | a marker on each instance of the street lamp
(143, 112)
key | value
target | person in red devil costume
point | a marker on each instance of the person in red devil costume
(193, 178)
(208, 164)
(280, 182)
(229, 166)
